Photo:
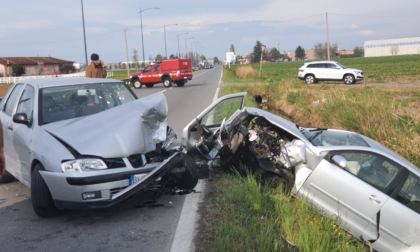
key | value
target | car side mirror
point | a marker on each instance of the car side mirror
(339, 161)
(22, 118)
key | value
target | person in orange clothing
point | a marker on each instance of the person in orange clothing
(96, 69)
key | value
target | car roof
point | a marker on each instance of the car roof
(324, 61)
(64, 81)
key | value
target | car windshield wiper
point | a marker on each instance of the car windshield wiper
(320, 130)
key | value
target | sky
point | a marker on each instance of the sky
(54, 28)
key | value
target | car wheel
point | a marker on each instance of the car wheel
(167, 82)
(349, 79)
(149, 85)
(190, 177)
(284, 181)
(310, 79)
(180, 83)
(42, 202)
(137, 84)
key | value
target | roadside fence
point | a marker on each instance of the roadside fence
(14, 79)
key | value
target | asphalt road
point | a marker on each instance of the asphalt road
(138, 224)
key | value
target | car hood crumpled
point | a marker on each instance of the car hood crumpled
(131, 128)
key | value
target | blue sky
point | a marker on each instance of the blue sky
(54, 27)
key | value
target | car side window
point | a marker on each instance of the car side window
(224, 110)
(409, 194)
(331, 66)
(372, 168)
(26, 102)
(156, 68)
(147, 69)
(11, 102)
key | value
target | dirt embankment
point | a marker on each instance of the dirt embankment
(4, 88)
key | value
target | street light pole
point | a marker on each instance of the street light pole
(186, 56)
(179, 53)
(84, 33)
(164, 32)
(141, 28)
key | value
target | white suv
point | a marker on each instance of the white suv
(312, 72)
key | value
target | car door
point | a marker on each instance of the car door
(212, 117)
(333, 71)
(355, 193)
(400, 218)
(155, 75)
(7, 111)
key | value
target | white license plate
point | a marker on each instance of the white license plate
(135, 178)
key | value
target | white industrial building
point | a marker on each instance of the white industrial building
(392, 47)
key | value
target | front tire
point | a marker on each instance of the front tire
(167, 82)
(310, 79)
(190, 178)
(137, 84)
(42, 201)
(349, 79)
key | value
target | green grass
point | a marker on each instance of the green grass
(255, 217)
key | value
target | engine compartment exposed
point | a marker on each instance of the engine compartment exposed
(256, 143)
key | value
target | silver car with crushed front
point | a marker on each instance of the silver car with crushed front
(372, 190)
(87, 143)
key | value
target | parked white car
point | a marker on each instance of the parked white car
(312, 72)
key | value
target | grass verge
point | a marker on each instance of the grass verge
(248, 216)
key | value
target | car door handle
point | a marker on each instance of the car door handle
(374, 198)
(10, 127)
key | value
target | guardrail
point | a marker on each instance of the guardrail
(14, 79)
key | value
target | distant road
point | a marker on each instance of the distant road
(134, 225)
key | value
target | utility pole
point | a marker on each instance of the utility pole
(84, 33)
(328, 37)
(126, 54)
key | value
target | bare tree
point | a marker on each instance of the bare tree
(358, 51)
(321, 50)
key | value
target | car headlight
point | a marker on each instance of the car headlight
(83, 165)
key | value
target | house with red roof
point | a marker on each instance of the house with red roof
(35, 66)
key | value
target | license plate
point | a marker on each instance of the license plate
(135, 178)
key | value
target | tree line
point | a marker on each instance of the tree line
(274, 55)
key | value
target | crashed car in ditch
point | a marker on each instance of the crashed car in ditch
(374, 192)
(88, 143)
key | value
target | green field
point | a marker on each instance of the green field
(401, 69)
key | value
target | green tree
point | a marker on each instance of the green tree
(66, 68)
(300, 53)
(18, 70)
(256, 54)
(274, 54)
(232, 48)
(216, 60)
(172, 56)
(358, 51)
(159, 58)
